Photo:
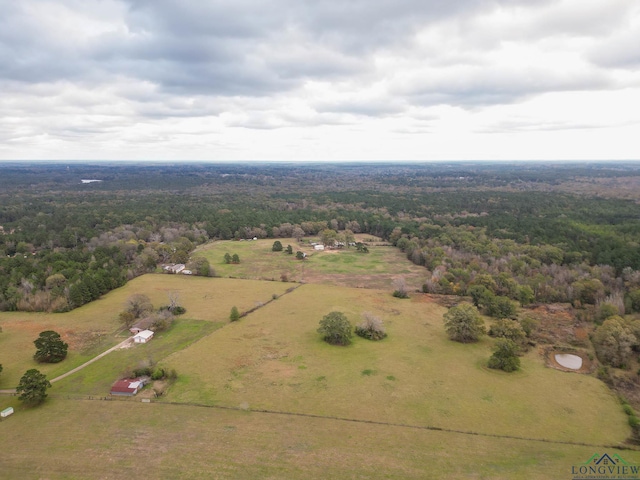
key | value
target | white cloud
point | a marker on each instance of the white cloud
(282, 79)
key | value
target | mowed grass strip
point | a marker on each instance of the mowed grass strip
(376, 269)
(126, 439)
(275, 360)
(93, 328)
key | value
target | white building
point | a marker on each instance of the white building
(318, 247)
(143, 336)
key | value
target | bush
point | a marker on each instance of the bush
(335, 329)
(142, 372)
(234, 316)
(371, 327)
(277, 246)
(464, 324)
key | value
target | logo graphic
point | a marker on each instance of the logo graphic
(606, 467)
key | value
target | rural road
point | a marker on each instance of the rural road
(120, 345)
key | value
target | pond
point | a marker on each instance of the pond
(567, 360)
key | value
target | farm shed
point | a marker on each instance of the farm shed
(143, 336)
(142, 325)
(128, 387)
(318, 247)
(6, 412)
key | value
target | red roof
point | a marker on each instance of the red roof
(126, 386)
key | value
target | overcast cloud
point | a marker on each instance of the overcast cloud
(328, 79)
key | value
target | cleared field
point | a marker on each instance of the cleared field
(345, 267)
(94, 328)
(275, 360)
(122, 439)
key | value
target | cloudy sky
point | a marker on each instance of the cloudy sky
(320, 79)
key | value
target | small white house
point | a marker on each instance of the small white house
(318, 247)
(143, 336)
(6, 412)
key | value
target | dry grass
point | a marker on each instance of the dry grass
(275, 360)
(95, 327)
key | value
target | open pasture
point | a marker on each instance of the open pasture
(345, 267)
(122, 439)
(275, 360)
(93, 328)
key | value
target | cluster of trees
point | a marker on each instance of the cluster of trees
(464, 324)
(277, 247)
(336, 329)
(616, 341)
(139, 307)
(33, 385)
(228, 258)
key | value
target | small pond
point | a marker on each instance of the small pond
(567, 360)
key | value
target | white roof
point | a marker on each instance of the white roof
(146, 334)
(134, 384)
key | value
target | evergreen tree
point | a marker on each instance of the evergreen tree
(50, 347)
(33, 387)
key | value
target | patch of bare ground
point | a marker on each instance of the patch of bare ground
(557, 324)
(378, 281)
(82, 341)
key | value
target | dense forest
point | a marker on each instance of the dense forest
(545, 233)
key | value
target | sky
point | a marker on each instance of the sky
(291, 80)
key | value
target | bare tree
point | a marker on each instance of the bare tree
(400, 286)
(138, 304)
(371, 327)
(174, 300)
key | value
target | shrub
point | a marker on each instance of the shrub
(371, 327)
(142, 372)
(234, 316)
(464, 324)
(335, 329)
(401, 288)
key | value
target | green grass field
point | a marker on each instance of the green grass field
(437, 411)
(275, 360)
(70, 439)
(347, 267)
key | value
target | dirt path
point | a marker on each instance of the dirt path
(64, 375)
